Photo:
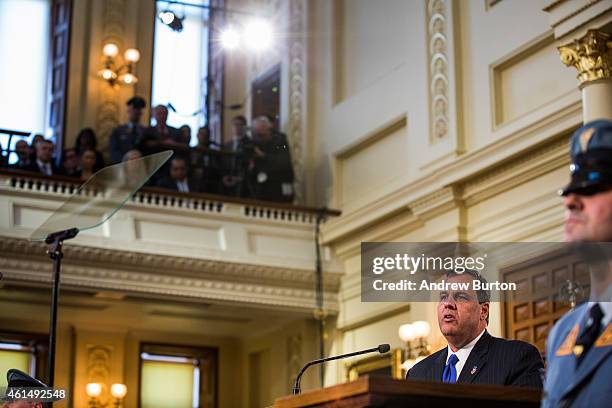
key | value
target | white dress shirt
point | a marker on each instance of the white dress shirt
(182, 186)
(45, 167)
(463, 353)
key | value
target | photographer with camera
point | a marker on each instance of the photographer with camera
(271, 170)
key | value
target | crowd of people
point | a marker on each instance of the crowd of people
(255, 162)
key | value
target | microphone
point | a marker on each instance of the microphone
(382, 349)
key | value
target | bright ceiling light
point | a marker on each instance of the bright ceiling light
(167, 17)
(173, 21)
(258, 35)
(230, 38)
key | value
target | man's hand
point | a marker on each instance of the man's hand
(258, 152)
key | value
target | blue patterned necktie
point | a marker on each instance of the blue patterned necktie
(449, 375)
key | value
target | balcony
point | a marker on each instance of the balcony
(170, 245)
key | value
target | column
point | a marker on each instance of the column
(591, 55)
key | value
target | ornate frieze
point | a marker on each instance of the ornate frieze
(437, 29)
(147, 274)
(297, 91)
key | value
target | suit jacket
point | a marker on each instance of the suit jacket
(33, 167)
(167, 182)
(491, 361)
(589, 384)
(123, 139)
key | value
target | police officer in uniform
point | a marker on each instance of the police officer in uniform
(19, 379)
(129, 136)
(579, 347)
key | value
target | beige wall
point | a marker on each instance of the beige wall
(411, 147)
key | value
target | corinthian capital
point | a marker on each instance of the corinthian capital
(591, 55)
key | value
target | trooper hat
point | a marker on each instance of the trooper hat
(591, 154)
(19, 379)
(137, 102)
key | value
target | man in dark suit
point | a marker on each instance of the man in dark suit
(22, 149)
(472, 354)
(44, 159)
(177, 180)
(272, 172)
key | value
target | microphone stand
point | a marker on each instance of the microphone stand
(55, 241)
(382, 348)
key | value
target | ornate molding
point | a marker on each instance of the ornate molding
(526, 167)
(438, 69)
(430, 205)
(297, 91)
(154, 275)
(591, 55)
(87, 258)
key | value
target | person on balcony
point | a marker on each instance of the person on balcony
(240, 149)
(70, 163)
(271, 171)
(24, 154)
(88, 164)
(205, 163)
(127, 137)
(44, 160)
(87, 140)
(177, 179)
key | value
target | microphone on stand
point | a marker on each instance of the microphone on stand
(382, 349)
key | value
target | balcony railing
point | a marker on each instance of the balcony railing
(214, 245)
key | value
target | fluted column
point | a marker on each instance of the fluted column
(591, 55)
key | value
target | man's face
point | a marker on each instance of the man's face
(44, 151)
(161, 115)
(71, 161)
(178, 170)
(134, 114)
(238, 128)
(262, 127)
(460, 317)
(22, 149)
(588, 218)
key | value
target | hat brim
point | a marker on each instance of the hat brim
(586, 188)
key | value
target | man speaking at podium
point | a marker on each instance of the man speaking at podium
(472, 354)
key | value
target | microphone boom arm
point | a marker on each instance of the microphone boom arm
(383, 348)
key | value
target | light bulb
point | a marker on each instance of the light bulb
(406, 332)
(110, 50)
(129, 79)
(108, 74)
(118, 390)
(258, 35)
(421, 329)
(230, 38)
(93, 390)
(167, 17)
(132, 55)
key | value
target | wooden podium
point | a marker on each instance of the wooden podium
(382, 392)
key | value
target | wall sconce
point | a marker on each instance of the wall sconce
(415, 336)
(115, 73)
(94, 391)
